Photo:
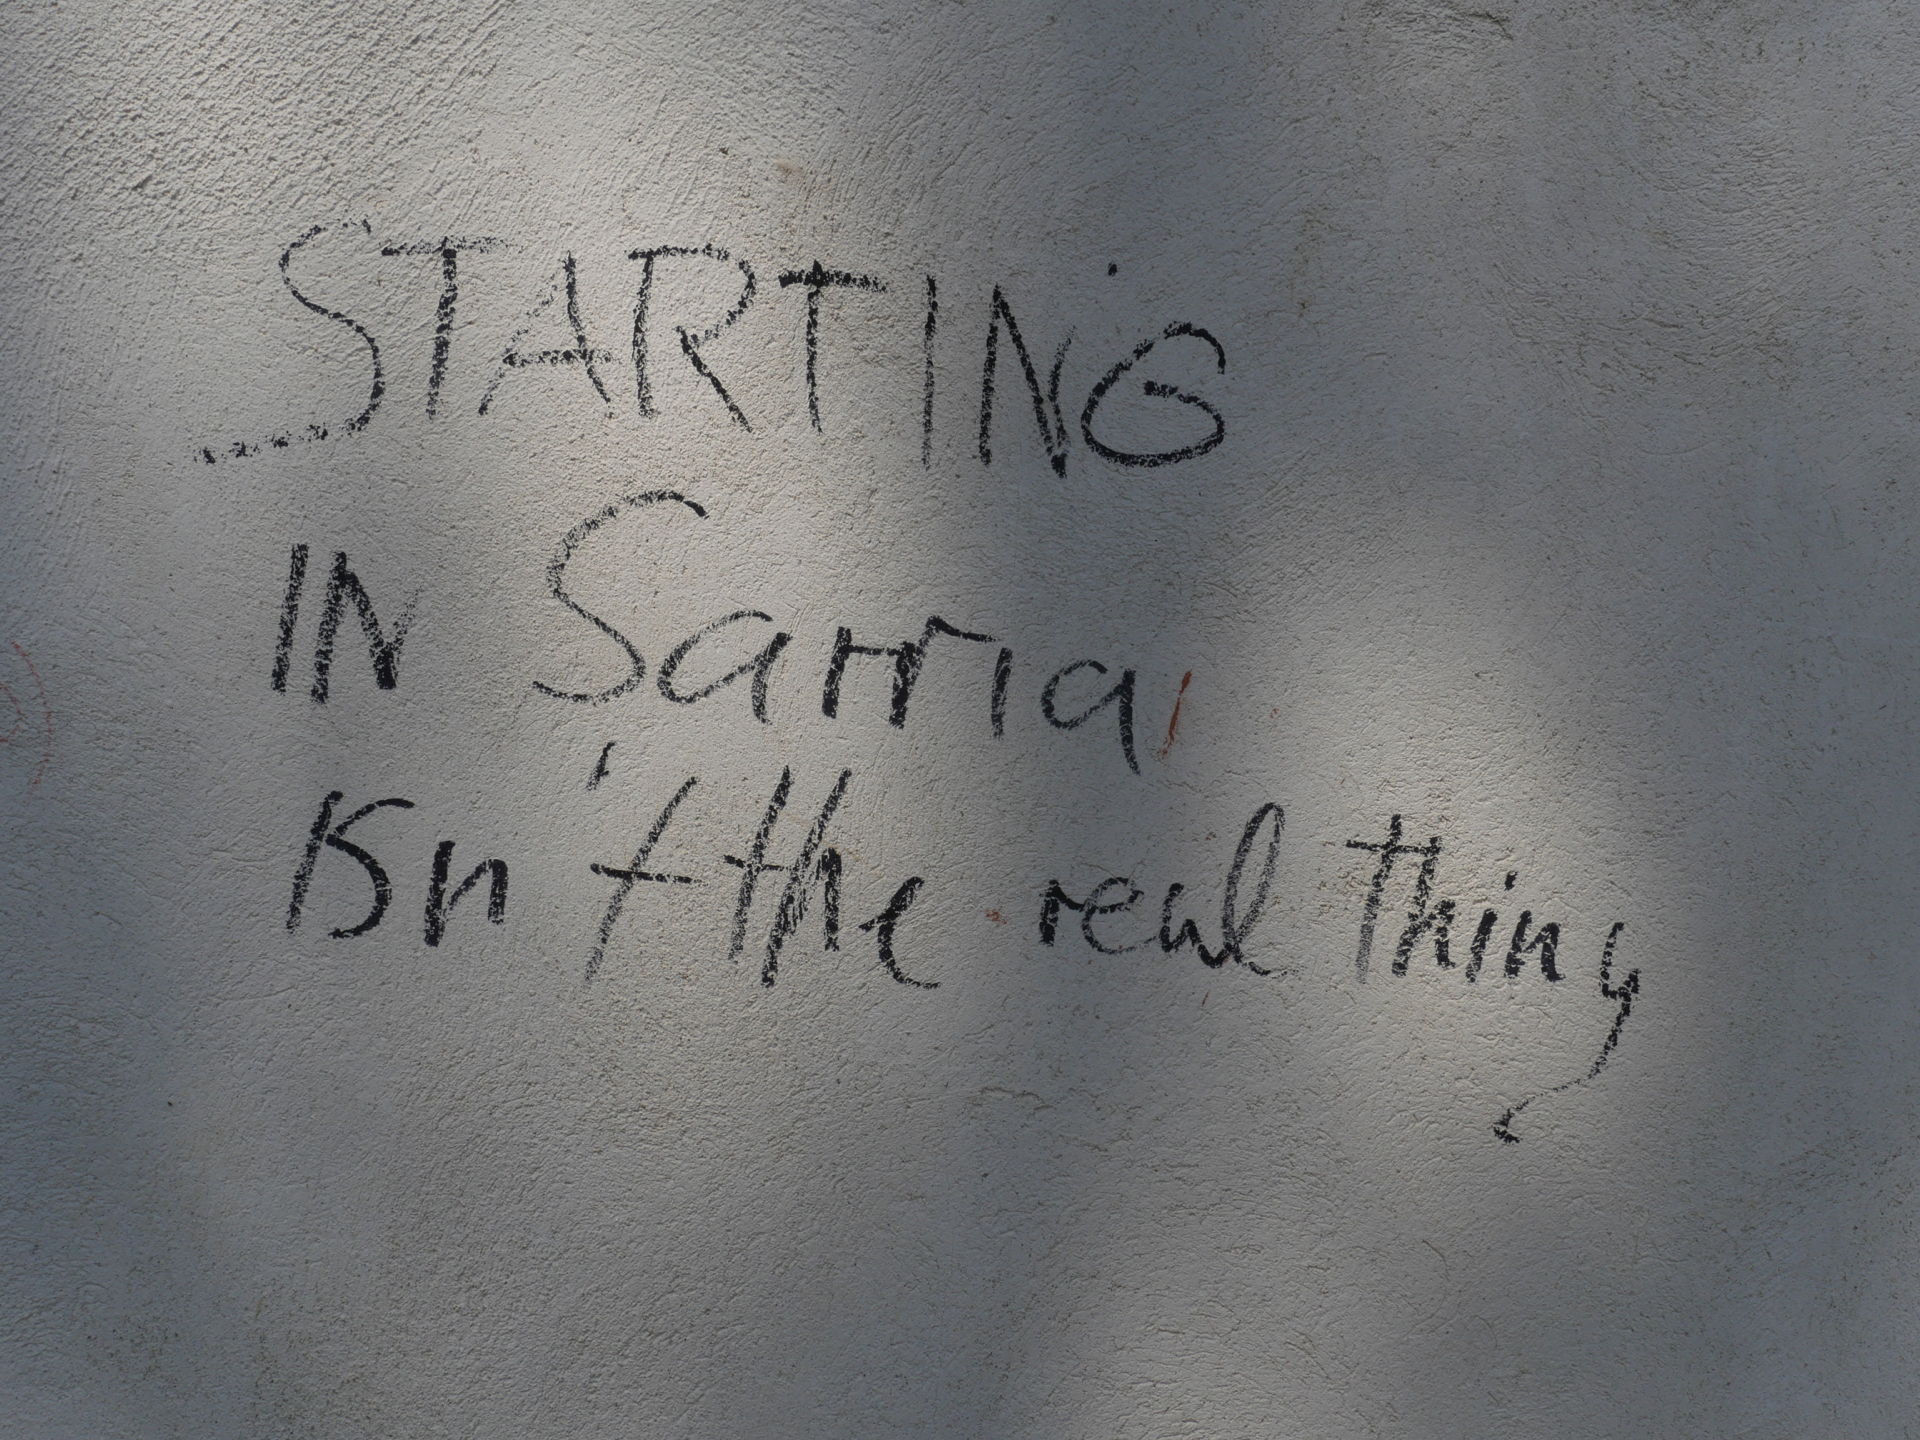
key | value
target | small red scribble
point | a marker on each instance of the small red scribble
(1203, 999)
(996, 917)
(20, 713)
(1173, 724)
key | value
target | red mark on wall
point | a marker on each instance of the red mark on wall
(1173, 725)
(21, 720)
(996, 917)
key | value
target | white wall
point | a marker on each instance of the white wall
(1563, 508)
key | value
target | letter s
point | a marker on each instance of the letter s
(556, 582)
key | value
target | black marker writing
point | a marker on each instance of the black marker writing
(557, 583)
(579, 353)
(376, 388)
(1239, 912)
(908, 657)
(689, 344)
(1097, 904)
(334, 838)
(342, 585)
(600, 767)
(289, 616)
(1388, 850)
(1235, 925)
(800, 878)
(1547, 941)
(843, 650)
(926, 402)
(1158, 391)
(562, 297)
(1420, 919)
(755, 865)
(1478, 953)
(912, 655)
(816, 280)
(758, 666)
(439, 903)
(1002, 677)
(1046, 408)
(1121, 695)
(634, 873)
(885, 922)
(1624, 993)
(448, 249)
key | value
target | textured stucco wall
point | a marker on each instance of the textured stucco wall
(1561, 359)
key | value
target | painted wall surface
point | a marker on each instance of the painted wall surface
(991, 719)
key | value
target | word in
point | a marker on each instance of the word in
(342, 585)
